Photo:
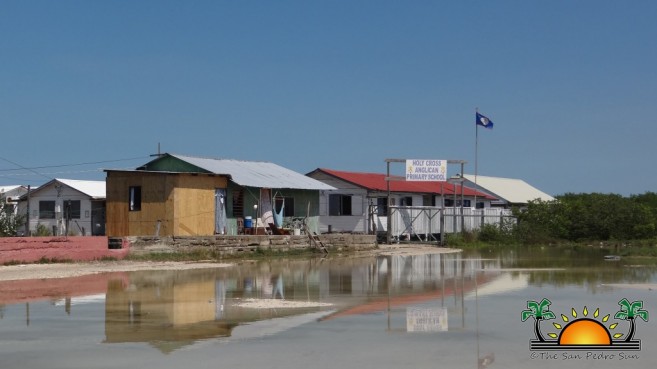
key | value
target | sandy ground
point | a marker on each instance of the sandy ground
(405, 249)
(64, 270)
(278, 304)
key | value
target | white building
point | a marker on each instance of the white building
(359, 203)
(66, 206)
(508, 191)
(9, 196)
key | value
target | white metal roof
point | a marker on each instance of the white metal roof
(94, 189)
(256, 174)
(4, 189)
(515, 191)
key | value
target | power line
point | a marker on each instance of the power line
(22, 167)
(63, 165)
(10, 175)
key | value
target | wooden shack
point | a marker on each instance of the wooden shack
(176, 195)
(143, 203)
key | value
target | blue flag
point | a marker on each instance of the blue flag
(484, 121)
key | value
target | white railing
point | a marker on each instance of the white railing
(425, 222)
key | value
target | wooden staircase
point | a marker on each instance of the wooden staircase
(314, 239)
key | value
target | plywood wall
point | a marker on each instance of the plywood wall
(194, 204)
(181, 203)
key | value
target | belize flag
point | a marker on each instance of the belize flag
(484, 122)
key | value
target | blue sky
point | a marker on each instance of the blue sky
(570, 85)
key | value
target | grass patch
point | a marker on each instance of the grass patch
(107, 258)
(45, 260)
(14, 262)
(202, 254)
(42, 260)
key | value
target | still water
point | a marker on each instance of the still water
(459, 310)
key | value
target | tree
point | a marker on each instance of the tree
(629, 311)
(541, 222)
(9, 221)
(539, 311)
(588, 217)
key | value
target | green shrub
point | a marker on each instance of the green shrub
(42, 231)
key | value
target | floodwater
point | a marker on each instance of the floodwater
(460, 310)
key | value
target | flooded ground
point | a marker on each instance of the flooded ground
(460, 310)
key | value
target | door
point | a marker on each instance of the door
(98, 218)
(220, 211)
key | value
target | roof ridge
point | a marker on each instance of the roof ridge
(352, 172)
(213, 158)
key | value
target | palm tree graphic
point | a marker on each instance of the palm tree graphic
(539, 311)
(629, 311)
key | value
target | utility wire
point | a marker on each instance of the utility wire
(64, 165)
(22, 167)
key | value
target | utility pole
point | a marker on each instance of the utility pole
(388, 210)
(27, 219)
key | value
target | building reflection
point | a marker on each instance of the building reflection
(168, 309)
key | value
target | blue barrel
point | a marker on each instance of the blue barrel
(248, 222)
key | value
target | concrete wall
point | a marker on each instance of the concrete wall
(236, 245)
(31, 249)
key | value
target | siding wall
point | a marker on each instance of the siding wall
(302, 198)
(345, 223)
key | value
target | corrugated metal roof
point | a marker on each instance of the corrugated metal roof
(377, 182)
(256, 174)
(515, 191)
(93, 189)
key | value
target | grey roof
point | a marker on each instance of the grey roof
(256, 173)
(515, 191)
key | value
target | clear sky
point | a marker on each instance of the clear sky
(570, 85)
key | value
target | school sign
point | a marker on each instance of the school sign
(426, 170)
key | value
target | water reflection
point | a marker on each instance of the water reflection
(167, 309)
(585, 267)
(171, 310)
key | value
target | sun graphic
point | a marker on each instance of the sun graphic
(585, 331)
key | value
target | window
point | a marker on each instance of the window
(382, 206)
(339, 205)
(480, 205)
(450, 203)
(74, 207)
(46, 210)
(238, 203)
(428, 200)
(406, 201)
(135, 198)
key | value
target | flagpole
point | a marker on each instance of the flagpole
(476, 157)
